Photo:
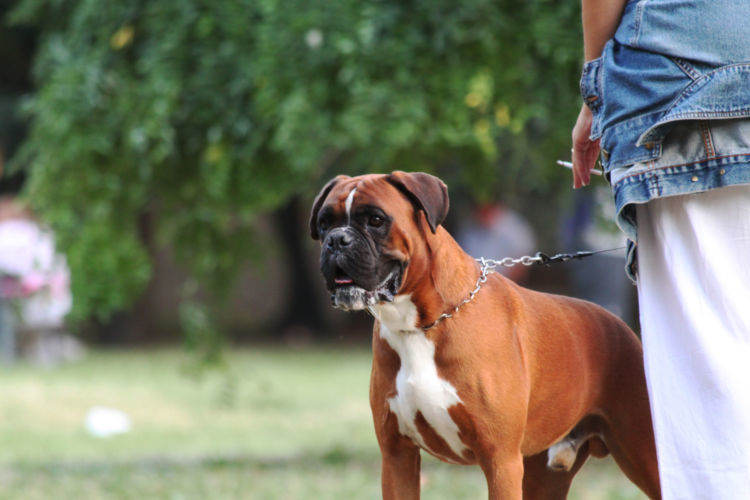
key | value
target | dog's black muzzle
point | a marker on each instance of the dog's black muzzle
(355, 274)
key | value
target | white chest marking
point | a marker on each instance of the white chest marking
(348, 205)
(418, 386)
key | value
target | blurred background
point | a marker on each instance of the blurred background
(163, 329)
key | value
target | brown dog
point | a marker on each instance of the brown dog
(522, 383)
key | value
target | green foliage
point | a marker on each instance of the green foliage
(185, 118)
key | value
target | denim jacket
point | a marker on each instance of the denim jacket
(670, 96)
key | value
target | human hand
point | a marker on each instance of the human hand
(585, 151)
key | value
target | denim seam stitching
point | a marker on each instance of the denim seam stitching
(687, 91)
(686, 68)
(658, 169)
(707, 140)
(638, 21)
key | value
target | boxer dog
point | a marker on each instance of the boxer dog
(522, 383)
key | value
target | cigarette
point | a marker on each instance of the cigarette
(569, 165)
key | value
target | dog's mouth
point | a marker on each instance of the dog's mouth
(340, 278)
(349, 296)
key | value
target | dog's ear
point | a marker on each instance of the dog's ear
(319, 203)
(426, 192)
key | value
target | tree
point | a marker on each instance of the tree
(204, 113)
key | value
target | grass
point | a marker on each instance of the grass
(279, 424)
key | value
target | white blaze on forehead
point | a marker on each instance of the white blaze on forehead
(419, 388)
(348, 205)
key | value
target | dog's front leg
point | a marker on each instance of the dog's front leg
(400, 472)
(504, 477)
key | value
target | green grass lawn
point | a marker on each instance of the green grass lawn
(279, 424)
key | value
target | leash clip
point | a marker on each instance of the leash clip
(562, 257)
(544, 259)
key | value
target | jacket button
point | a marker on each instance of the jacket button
(722, 172)
(695, 178)
(649, 146)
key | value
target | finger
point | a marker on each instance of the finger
(581, 172)
(584, 159)
(584, 149)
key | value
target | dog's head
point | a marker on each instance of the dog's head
(369, 227)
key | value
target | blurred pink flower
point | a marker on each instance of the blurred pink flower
(33, 273)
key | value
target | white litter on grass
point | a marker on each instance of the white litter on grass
(103, 422)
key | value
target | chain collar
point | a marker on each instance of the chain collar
(488, 267)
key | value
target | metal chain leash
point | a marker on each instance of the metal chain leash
(488, 266)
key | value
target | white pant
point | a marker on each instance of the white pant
(694, 297)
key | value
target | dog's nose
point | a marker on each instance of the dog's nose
(338, 239)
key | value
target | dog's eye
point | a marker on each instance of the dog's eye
(323, 225)
(376, 221)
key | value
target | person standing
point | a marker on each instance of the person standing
(666, 91)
